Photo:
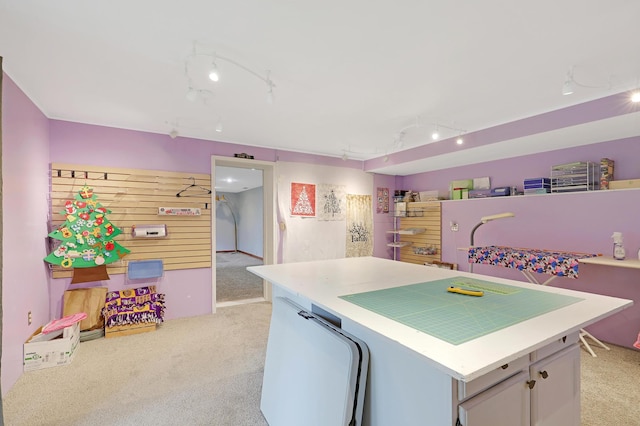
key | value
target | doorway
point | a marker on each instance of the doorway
(242, 229)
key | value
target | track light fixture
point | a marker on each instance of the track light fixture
(570, 83)
(214, 73)
(435, 135)
(567, 86)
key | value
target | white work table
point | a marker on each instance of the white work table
(320, 283)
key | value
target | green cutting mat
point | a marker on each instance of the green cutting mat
(457, 318)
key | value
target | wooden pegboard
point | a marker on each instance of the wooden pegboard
(134, 196)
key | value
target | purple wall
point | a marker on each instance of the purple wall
(25, 194)
(580, 222)
(188, 292)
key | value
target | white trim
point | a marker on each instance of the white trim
(269, 225)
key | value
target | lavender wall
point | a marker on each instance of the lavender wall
(580, 222)
(25, 191)
(188, 292)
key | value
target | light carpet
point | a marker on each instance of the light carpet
(233, 281)
(207, 370)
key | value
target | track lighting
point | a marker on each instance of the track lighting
(270, 98)
(214, 73)
(567, 86)
(436, 135)
(570, 83)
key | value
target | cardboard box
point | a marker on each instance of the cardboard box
(606, 172)
(623, 184)
(51, 353)
(127, 330)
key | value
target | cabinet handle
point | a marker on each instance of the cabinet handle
(504, 367)
(531, 384)
(544, 374)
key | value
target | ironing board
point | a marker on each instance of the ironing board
(536, 261)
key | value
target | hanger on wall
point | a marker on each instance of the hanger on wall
(192, 194)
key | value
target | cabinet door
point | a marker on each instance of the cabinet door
(555, 397)
(505, 404)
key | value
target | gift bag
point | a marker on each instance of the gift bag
(89, 301)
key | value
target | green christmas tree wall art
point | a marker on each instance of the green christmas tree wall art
(86, 239)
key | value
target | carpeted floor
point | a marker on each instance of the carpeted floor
(233, 281)
(207, 370)
(204, 370)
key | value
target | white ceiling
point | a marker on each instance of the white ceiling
(237, 179)
(349, 75)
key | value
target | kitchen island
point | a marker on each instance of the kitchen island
(526, 371)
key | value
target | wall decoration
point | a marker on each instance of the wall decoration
(303, 199)
(331, 202)
(359, 226)
(382, 205)
(179, 211)
(87, 239)
(136, 196)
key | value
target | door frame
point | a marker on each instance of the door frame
(269, 223)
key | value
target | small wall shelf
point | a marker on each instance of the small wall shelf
(399, 244)
(408, 231)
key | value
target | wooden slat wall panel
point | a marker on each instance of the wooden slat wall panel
(428, 217)
(133, 196)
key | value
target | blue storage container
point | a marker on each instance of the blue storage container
(143, 269)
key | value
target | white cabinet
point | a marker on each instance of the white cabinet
(555, 396)
(542, 393)
(505, 404)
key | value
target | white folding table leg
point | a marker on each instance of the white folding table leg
(584, 333)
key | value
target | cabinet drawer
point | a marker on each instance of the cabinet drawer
(468, 389)
(506, 404)
(558, 345)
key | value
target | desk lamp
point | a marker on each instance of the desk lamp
(484, 220)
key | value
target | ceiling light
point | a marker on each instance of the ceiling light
(435, 135)
(213, 72)
(459, 141)
(635, 96)
(219, 126)
(173, 134)
(568, 85)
